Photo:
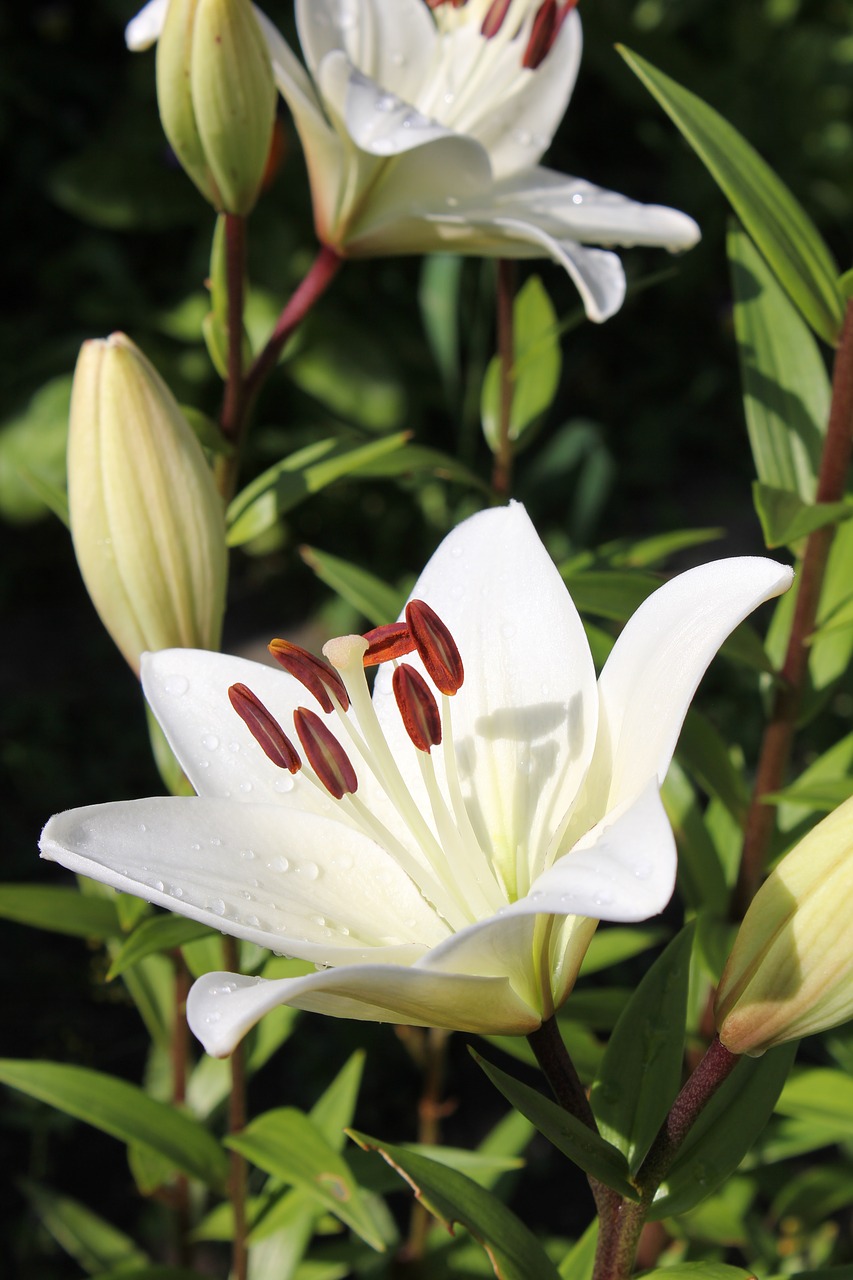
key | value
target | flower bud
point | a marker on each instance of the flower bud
(217, 98)
(790, 973)
(146, 520)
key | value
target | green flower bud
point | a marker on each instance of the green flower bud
(146, 519)
(790, 973)
(217, 97)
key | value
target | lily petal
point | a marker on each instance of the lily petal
(222, 1007)
(144, 30)
(297, 883)
(393, 47)
(658, 660)
(524, 721)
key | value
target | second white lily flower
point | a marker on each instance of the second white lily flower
(455, 887)
(422, 134)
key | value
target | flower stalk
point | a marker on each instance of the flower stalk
(502, 469)
(779, 735)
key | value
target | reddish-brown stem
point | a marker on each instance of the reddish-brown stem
(560, 1072)
(502, 469)
(237, 1121)
(779, 735)
(432, 1057)
(235, 272)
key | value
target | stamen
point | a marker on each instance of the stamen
(546, 27)
(494, 18)
(264, 728)
(394, 640)
(325, 754)
(317, 676)
(418, 707)
(436, 647)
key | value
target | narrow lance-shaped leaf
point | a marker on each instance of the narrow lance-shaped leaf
(777, 222)
(375, 599)
(514, 1252)
(60, 910)
(785, 384)
(124, 1111)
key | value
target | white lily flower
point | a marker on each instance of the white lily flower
(456, 887)
(422, 134)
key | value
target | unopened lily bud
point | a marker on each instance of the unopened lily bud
(790, 973)
(217, 98)
(146, 520)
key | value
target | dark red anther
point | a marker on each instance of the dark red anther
(264, 728)
(418, 707)
(315, 674)
(546, 27)
(325, 754)
(494, 18)
(394, 640)
(436, 647)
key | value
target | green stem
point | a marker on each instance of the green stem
(502, 470)
(180, 1047)
(431, 1111)
(779, 736)
(235, 273)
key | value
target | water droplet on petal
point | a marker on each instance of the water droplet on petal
(176, 685)
(215, 841)
(217, 906)
(176, 891)
(195, 847)
(142, 826)
(212, 1018)
(204, 764)
(577, 199)
(245, 787)
(248, 854)
(158, 885)
(284, 783)
(310, 870)
(279, 864)
(210, 742)
(252, 922)
(643, 870)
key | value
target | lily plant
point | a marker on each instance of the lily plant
(443, 850)
(423, 123)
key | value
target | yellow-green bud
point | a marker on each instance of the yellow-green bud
(217, 97)
(790, 973)
(146, 519)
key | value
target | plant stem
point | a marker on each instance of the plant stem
(502, 469)
(779, 734)
(237, 1121)
(241, 394)
(560, 1072)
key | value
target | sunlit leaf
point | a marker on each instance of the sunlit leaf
(60, 910)
(157, 933)
(373, 598)
(535, 373)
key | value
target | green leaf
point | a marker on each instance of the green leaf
(413, 459)
(706, 754)
(124, 1111)
(699, 1271)
(640, 1074)
(777, 222)
(90, 1240)
(157, 933)
(537, 363)
(373, 598)
(610, 594)
(814, 1195)
(822, 1097)
(32, 448)
(286, 1143)
(59, 910)
(785, 518)
(648, 552)
(148, 1273)
(579, 1262)
(514, 1252)
(284, 485)
(438, 299)
(724, 1132)
(571, 1136)
(785, 385)
(614, 945)
(701, 875)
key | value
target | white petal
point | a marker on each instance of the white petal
(572, 207)
(661, 655)
(298, 883)
(144, 30)
(597, 274)
(393, 44)
(187, 689)
(623, 869)
(222, 1007)
(517, 132)
(525, 719)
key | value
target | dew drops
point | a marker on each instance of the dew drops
(643, 870)
(213, 1018)
(195, 847)
(176, 891)
(278, 864)
(344, 931)
(158, 886)
(247, 895)
(456, 552)
(176, 685)
(210, 742)
(217, 906)
(234, 747)
(215, 841)
(387, 102)
(284, 783)
(248, 854)
(253, 922)
(142, 826)
(319, 920)
(204, 764)
(577, 199)
(245, 787)
(310, 870)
